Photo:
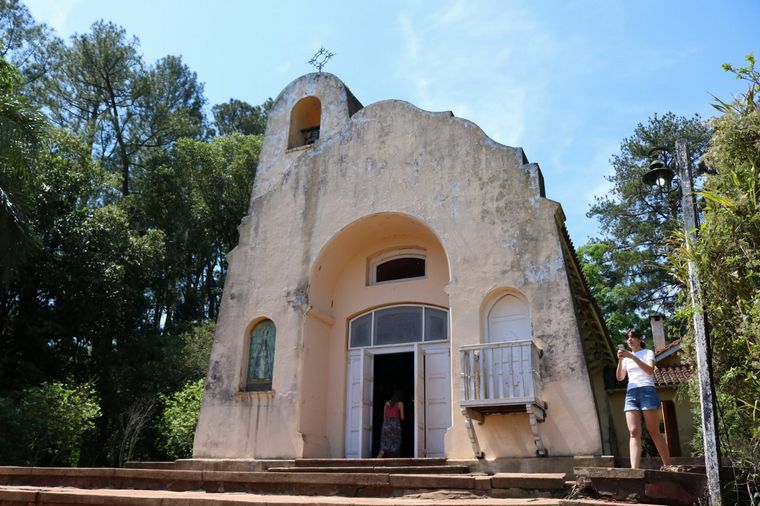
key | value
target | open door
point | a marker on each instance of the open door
(432, 402)
(437, 402)
(359, 404)
(419, 402)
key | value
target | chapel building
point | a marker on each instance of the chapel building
(390, 248)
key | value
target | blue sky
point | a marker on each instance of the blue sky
(564, 80)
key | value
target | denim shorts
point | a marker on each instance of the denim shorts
(641, 399)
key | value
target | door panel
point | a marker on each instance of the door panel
(359, 404)
(366, 402)
(419, 402)
(353, 404)
(437, 377)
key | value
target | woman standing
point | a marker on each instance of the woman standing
(641, 398)
(390, 435)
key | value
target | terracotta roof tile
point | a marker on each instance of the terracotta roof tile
(668, 346)
(672, 375)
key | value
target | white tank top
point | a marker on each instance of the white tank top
(636, 377)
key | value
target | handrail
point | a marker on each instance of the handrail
(503, 373)
(500, 344)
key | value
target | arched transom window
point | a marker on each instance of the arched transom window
(397, 265)
(399, 325)
(261, 357)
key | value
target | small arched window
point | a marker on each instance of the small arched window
(261, 346)
(397, 265)
(305, 119)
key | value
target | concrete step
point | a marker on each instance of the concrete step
(665, 487)
(135, 464)
(390, 462)
(419, 469)
(365, 484)
(38, 496)
(20, 496)
(511, 465)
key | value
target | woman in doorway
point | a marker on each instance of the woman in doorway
(641, 398)
(390, 435)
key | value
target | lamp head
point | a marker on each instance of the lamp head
(658, 175)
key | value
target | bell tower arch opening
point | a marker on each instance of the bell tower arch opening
(305, 122)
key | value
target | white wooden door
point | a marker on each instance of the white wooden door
(359, 404)
(509, 320)
(437, 399)
(419, 401)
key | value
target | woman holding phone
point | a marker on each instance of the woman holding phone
(641, 399)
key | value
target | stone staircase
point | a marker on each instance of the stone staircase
(302, 481)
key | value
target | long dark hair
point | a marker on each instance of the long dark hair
(635, 333)
(396, 397)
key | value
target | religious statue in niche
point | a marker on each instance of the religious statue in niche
(261, 357)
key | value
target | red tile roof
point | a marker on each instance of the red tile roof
(672, 375)
(668, 346)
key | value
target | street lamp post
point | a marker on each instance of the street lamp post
(662, 176)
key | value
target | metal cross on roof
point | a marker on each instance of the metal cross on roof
(320, 58)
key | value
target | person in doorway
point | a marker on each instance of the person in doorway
(641, 398)
(390, 435)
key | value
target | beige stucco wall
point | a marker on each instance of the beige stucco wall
(391, 175)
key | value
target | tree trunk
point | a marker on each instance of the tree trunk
(118, 132)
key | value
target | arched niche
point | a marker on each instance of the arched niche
(506, 317)
(305, 121)
(257, 369)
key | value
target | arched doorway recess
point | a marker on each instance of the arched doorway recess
(347, 295)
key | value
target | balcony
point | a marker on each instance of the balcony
(501, 377)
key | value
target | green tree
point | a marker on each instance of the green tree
(46, 424)
(196, 193)
(636, 221)
(608, 282)
(179, 419)
(727, 253)
(20, 129)
(131, 213)
(188, 354)
(239, 117)
(78, 307)
(25, 43)
(101, 89)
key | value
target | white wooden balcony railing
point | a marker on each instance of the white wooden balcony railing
(498, 376)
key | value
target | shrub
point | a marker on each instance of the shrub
(45, 425)
(178, 420)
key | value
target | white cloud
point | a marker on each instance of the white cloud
(500, 60)
(54, 13)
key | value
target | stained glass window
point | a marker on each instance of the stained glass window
(261, 357)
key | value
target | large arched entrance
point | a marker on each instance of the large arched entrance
(381, 317)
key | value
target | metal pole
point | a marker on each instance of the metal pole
(701, 337)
